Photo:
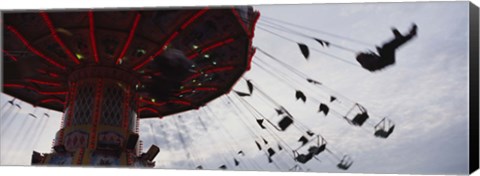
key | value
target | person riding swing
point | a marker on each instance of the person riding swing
(386, 54)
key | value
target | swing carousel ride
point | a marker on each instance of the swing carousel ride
(106, 70)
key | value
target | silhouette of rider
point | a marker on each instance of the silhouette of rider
(174, 67)
(386, 54)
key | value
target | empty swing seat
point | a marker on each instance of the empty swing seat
(383, 133)
(360, 119)
(152, 153)
(37, 158)
(343, 166)
(285, 123)
(316, 149)
(302, 158)
(345, 163)
(271, 152)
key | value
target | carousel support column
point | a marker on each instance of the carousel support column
(133, 153)
(126, 109)
(61, 135)
(67, 118)
(96, 113)
(137, 130)
(126, 118)
(137, 125)
(71, 104)
(79, 160)
(137, 110)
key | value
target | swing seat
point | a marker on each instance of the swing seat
(260, 123)
(59, 148)
(37, 157)
(285, 123)
(383, 133)
(345, 163)
(303, 140)
(302, 158)
(317, 149)
(152, 153)
(343, 166)
(271, 152)
(360, 119)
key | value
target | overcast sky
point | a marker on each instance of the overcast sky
(425, 93)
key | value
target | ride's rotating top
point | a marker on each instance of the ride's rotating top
(106, 69)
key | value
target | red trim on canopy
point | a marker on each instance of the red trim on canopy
(193, 18)
(14, 85)
(252, 33)
(34, 89)
(208, 89)
(147, 109)
(10, 56)
(230, 40)
(130, 37)
(174, 34)
(220, 69)
(92, 35)
(213, 46)
(57, 38)
(252, 29)
(44, 82)
(181, 102)
(213, 70)
(160, 51)
(52, 100)
(239, 19)
(38, 53)
(53, 75)
(152, 103)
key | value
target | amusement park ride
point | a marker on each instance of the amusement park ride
(105, 70)
(97, 68)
